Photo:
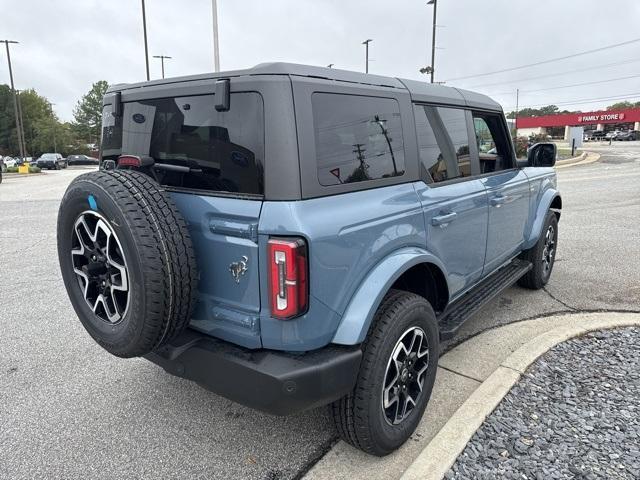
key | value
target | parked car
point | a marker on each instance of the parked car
(628, 136)
(51, 161)
(611, 135)
(82, 160)
(597, 135)
(318, 231)
(10, 162)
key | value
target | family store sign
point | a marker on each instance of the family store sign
(587, 118)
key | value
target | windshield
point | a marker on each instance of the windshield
(48, 156)
(224, 150)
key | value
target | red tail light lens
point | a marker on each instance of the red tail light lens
(288, 266)
(129, 161)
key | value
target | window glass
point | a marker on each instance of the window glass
(443, 142)
(224, 150)
(357, 138)
(493, 144)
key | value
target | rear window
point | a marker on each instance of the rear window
(225, 150)
(357, 138)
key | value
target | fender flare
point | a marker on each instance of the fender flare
(543, 206)
(358, 315)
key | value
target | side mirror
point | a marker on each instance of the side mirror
(222, 95)
(542, 155)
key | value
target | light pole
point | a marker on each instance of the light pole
(161, 57)
(144, 31)
(216, 51)
(53, 129)
(15, 98)
(24, 140)
(366, 46)
(433, 37)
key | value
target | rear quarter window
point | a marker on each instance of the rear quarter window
(357, 138)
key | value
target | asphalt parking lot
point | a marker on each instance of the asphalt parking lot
(70, 410)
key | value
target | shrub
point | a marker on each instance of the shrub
(12, 169)
(34, 169)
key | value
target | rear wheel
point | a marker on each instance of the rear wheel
(542, 255)
(127, 261)
(396, 376)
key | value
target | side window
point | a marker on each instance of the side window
(357, 138)
(493, 144)
(443, 142)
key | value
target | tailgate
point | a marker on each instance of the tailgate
(225, 237)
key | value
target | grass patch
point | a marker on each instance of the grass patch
(566, 153)
(15, 169)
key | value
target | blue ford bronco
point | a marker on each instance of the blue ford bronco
(291, 236)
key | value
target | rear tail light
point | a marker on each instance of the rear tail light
(288, 266)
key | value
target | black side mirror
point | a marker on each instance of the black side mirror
(542, 155)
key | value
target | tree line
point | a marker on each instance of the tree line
(43, 130)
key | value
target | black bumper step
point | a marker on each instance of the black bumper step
(459, 311)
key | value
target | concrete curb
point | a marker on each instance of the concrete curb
(443, 450)
(568, 161)
(584, 159)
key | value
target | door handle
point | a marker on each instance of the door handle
(443, 219)
(497, 201)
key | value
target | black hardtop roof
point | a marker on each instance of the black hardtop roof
(420, 91)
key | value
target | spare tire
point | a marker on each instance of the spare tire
(127, 261)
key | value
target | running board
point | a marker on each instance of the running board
(459, 311)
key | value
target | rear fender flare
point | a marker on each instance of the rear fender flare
(359, 313)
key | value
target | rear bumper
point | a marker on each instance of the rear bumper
(274, 382)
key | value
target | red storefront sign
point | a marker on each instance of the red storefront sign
(576, 119)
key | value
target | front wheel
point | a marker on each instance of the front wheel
(396, 376)
(542, 255)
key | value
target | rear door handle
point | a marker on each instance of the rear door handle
(497, 201)
(443, 219)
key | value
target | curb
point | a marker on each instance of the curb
(443, 450)
(584, 159)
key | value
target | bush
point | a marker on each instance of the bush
(34, 169)
(522, 143)
(12, 169)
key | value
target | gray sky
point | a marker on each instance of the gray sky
(66, 45)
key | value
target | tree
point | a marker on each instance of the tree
(623, 105)
(88, 113)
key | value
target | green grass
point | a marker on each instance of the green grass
(566, 153)
(15, 169)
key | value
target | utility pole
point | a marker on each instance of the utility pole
(15, 99)
(161, 57)
(24, 140)
(55, 127)
(385, 132)
(433, 37)
(144, 31)
(216, 50)
(366, 46)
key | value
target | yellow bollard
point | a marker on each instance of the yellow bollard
(23, 169)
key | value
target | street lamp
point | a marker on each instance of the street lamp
(15, 99)
(162, 57)
(366, 45)
(433, 37)
(144, 31)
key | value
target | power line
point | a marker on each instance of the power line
(572, 85)
(628, 42)
(555, 74)
(586, 100)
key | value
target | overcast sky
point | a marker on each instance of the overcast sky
(66, 45)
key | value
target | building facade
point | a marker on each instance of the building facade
(558, 125)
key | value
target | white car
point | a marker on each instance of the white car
(10, 162)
